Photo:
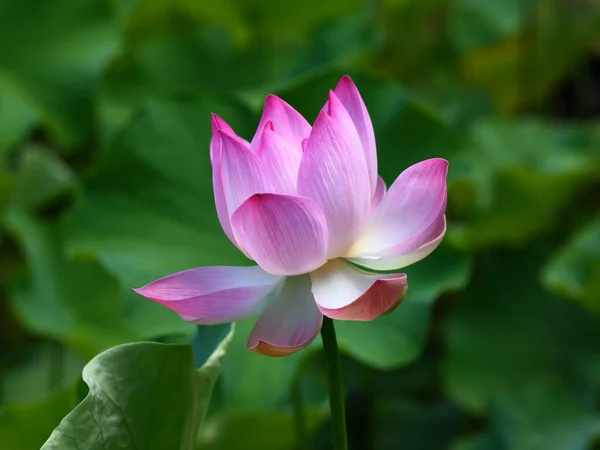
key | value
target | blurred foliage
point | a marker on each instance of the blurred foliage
(105, 183)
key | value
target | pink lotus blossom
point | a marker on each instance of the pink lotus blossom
(305, 203)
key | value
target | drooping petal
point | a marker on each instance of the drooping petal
(380, 190)
(344, 293)
(409, 222)
(348, 94)
(287, 122)
(279, 160)
(219, 124)
(333, 172)
(240, 171)
(213, 295)
(290, 323)
(285, 235)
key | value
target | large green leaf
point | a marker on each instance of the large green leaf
(77, 38)
(143, 395)
(574, 271)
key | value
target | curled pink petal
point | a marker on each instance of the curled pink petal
(285, 235)
(380, 190)
(409, 222)
(403, 255)
(241, 174)
(287, 122)
(348, 94)
(213, 295)
(344, 293)
(333, 172)
(290, 323)
(279, 160)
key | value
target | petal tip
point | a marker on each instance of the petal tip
(137, 290)
(346, 81)
(272, 100)
(440, 161)
(333, 102)
(146, 292)
(217, 122)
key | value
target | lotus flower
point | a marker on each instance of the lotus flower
(306, 204)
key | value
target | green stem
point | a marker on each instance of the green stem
(299, 416)
(335, 384)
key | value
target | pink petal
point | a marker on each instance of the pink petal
(344, 293)
(380, 190)
(285, 235)
(409, 222)
(219, 191)
(291, 322)
(279, 160)
(241, 174)
(213, 295)
(348, 94)
(403, 255)
(333, 172)
(287, 122)
(218, 124)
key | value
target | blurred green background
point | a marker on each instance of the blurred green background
(105, 184)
